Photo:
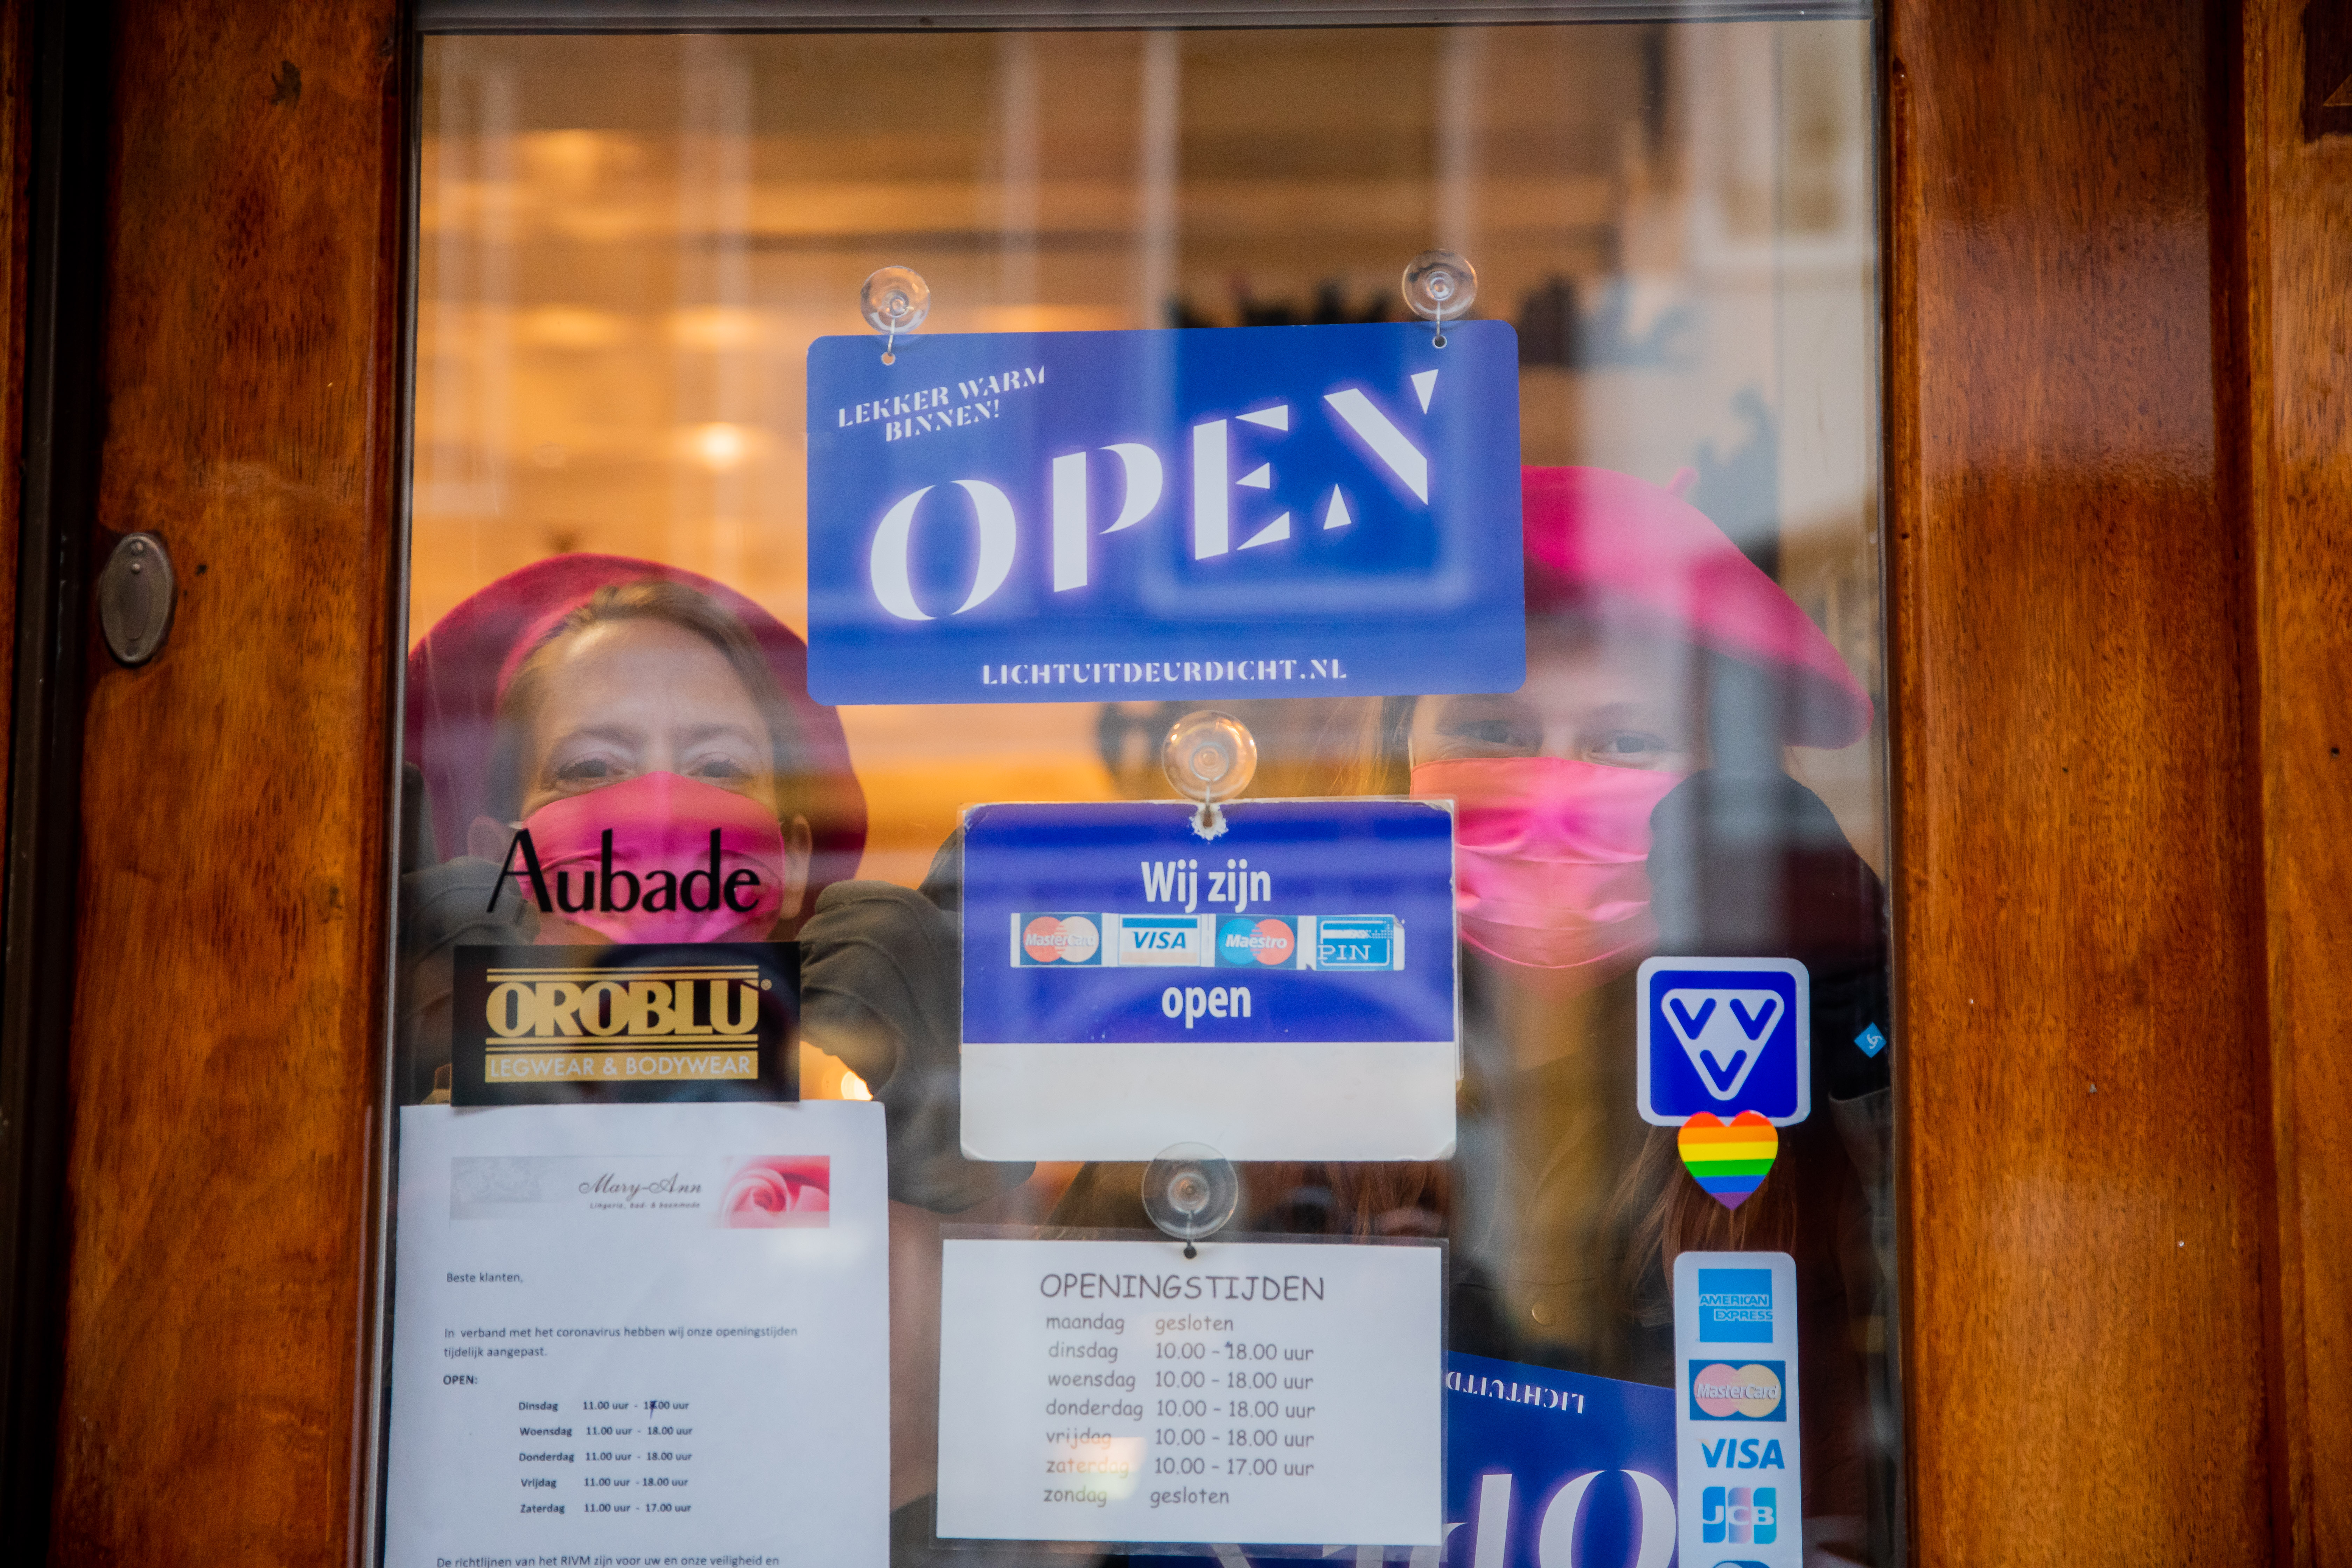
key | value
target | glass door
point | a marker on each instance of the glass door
(884, 505)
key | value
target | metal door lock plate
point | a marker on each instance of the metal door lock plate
(136, 593)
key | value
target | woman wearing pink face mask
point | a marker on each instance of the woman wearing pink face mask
(1631, 799)
(619, 751)
(648, 733)
(638, 781)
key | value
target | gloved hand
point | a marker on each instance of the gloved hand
(1752, 865)
(442, 909)
(881, 988)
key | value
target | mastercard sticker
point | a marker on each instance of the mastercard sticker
(1058, 941)
(1722, 1392)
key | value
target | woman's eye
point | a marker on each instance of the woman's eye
(1623, 746)
(1499, 734)
(721, 770)
(587, 771)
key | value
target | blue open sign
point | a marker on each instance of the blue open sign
(1267, 512)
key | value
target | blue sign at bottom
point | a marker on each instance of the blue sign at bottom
(1545, 1466)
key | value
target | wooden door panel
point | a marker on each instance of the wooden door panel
(2298, 329)
(232, 930)
(2086, 1108)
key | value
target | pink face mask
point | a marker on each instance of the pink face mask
(660, 858)
(1549, 857)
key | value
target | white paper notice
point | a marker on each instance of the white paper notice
(1113, 1391)
(640, 1334)
(1739, 1477)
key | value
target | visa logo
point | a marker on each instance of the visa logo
(1172, 942)
(1739, 1515)
(1743, 1454)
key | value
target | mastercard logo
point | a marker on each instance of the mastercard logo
(1061, 939)
(1726, 1392)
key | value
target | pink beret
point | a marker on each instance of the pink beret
(457, 672)
(1612, 545)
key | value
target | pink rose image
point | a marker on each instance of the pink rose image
(769, 1191)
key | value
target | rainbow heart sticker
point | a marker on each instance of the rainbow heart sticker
(1729, 1161)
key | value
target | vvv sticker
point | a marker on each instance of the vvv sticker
(1722, 1032)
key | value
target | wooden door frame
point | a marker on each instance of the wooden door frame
(2118, 568)
(2113, 297)
(54, 97)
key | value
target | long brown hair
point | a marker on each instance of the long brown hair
(1657, 1213)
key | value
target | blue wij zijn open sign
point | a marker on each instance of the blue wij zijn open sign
(1285, 991)
(1267, 512)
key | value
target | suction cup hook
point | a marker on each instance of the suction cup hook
(1190, 1192)
(1210, 756)
(1439, 284)
(894, 300)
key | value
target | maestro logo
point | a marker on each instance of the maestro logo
(1259, 941)
(1724, 1036)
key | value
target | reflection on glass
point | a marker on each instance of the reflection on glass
(626, 245)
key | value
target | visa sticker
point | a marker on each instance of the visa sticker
(1260, 512)
(1724, 1036)
(1164, 941)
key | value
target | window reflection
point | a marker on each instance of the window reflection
(625, 246)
